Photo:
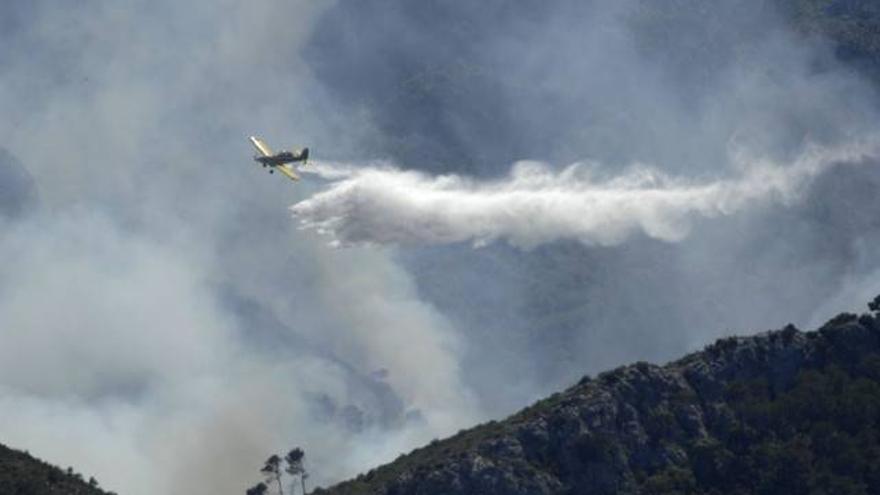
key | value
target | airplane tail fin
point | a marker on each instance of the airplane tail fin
(305, 156)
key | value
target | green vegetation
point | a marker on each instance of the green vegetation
(822, 436)
(422, 459)
(21, 474)
(781, 412)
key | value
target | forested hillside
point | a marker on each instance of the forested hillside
(781, 412)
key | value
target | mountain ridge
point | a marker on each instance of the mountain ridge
(23, 474)
(684, 427)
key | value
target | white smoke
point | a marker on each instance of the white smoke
(119, 360)
(163, 327)
(537, 205)
(122, 355)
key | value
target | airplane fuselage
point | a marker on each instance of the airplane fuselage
(283, 157)
(279, 161)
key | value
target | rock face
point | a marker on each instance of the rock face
(718, 421)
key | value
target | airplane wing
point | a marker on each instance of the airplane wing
(261, 146)
(288, 171)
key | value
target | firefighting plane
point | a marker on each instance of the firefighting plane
(281, 161)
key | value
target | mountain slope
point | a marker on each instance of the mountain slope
(782, 412)
(21, 474)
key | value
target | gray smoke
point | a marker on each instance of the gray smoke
(166, 326)
(459, 92)
(17, 191)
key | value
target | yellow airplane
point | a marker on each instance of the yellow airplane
(281, 161)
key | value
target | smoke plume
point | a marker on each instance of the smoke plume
(164, 325)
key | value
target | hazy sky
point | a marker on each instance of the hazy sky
(638, 183)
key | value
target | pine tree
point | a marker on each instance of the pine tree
(258, 489)
(295, 466)
(272, 471)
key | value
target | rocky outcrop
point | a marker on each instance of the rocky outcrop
(634, 427)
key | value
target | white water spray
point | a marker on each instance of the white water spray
(382, 204)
